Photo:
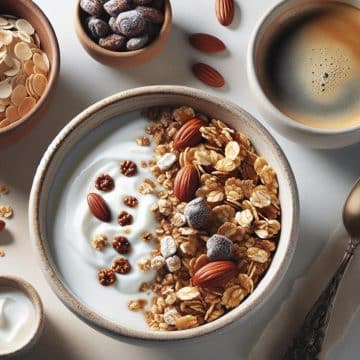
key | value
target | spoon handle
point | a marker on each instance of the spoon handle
(308, 342)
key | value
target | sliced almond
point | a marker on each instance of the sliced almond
(5, 89)
(12, 113)
(39, 84)
(5, 37)
(27, 104)
(14, 70)
(3, 21)
(18, 95)
(24, 37)
(4, 123)
(28, 67)
(24, 25)
(41, 61)
(22, 51)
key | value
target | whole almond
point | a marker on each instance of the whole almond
(208, 75)
(186, 183)
(99, 207)
(225, 11)
(189, 134)
(215, 274)
(206, 43)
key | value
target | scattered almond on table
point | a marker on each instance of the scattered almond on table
(225, 11)
(206, 43)
(208, 75)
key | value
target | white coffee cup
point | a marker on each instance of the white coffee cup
(312, 136)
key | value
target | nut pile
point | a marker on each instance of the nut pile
(24, 69)
(217, 214)
(123, 25)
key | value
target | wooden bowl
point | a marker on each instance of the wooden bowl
(29, 11)
(85, 129)
(124, 59)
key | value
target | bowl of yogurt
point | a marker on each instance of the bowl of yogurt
(21, 316)
(139, 223)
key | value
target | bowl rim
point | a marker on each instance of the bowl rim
(258, 90)
(24, 286)
(76, 305)
(90, 43)
(53, 75)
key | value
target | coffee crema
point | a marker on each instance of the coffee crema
(310, 68)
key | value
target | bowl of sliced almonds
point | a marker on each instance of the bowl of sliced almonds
(29, 67)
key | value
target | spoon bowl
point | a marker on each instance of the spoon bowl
(351, 213)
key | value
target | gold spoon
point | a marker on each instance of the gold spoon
(307, 344)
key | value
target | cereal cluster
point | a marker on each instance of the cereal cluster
(212, 250)
(24, 69)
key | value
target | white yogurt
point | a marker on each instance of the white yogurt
(74, 225)
(17, 319)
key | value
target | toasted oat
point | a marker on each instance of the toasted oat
(137, 305)
(99, 242)
(188, 293)
(143, 141)
(6, 211)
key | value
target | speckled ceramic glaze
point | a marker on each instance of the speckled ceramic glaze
(127, 101)
(31, 293)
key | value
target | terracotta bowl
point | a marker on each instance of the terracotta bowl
(125, 59)
(84, 125)
(31, 293)
(28, 10)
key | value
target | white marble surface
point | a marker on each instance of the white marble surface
(324, 178)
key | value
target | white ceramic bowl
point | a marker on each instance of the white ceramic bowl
(26, 288)
(310, 136)
(96, 115)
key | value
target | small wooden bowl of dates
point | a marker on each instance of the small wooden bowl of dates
(29, 67)
(123, 33)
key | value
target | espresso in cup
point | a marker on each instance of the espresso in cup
(310, 68)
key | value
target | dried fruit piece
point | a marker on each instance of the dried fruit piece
(98, 207)
(104, 182)
(219, 247)
(208, 75)
(113, 42)
(98, 28)
(115, 7)
(106, 277)
(197, 213)
(186, 183)
(214, 274)
(121, 244)
(150, 14)
(92, 7)
(189, 134)
(225, 11)
(137, 43)
(131, 23)
(206, 43)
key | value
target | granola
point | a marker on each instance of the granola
(236, 205)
